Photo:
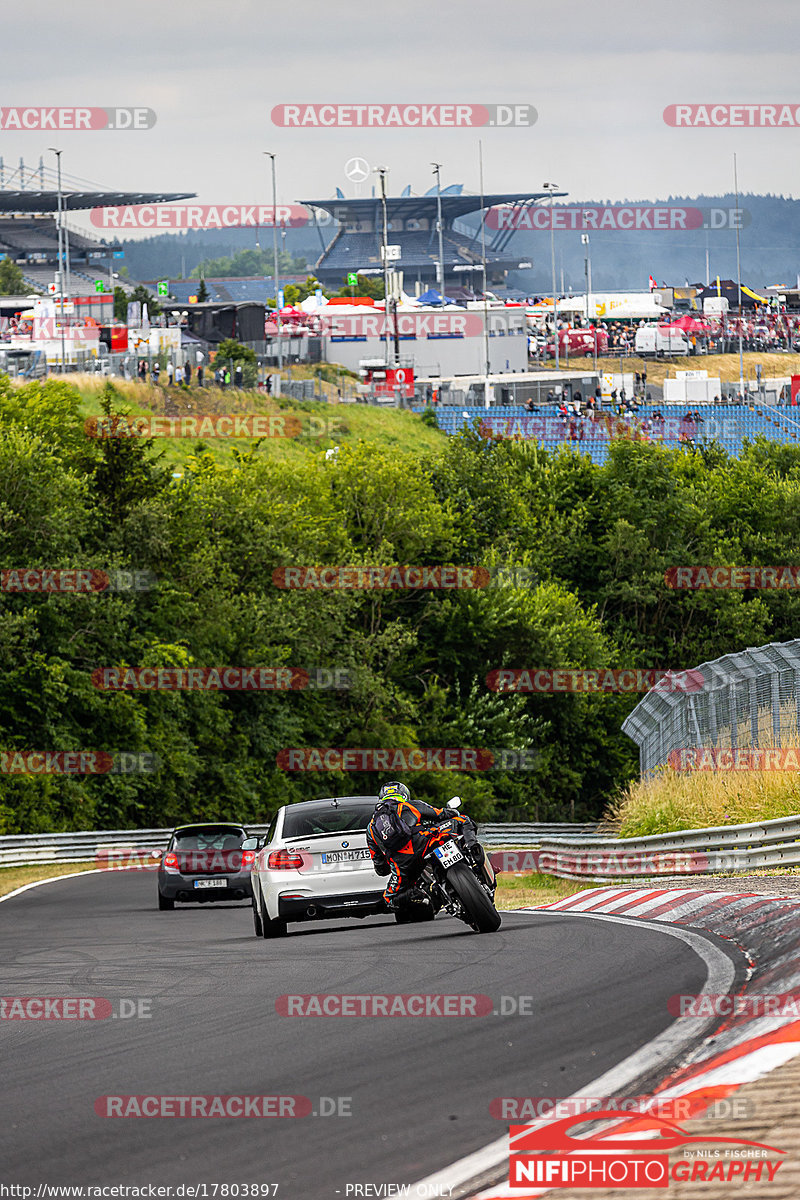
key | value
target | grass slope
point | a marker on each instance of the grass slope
(322, 425)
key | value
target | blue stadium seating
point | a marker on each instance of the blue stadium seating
(728, 425)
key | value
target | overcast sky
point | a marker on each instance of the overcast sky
(599, 75)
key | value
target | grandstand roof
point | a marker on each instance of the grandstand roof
(410, 207)
(47, 202)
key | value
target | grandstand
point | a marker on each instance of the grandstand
(412, 225)
(726, 424)
(29, 230)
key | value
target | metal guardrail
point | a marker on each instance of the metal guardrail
(774, 843)
(107, 845)
(101, 846)
(526, 833)
(569, 851)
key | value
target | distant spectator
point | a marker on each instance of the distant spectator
(170, 372)
(154, 374)
(143, 371)
(237, 375)
(187, 373)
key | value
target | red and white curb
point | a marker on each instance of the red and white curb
(741, 1049)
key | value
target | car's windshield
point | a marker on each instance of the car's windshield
(207, 837)
(312, 820)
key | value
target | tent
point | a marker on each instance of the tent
(433, 297)
(690, 324)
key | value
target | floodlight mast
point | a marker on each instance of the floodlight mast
(436, 169)
(275, 259)
(60, 257)
(381, 172)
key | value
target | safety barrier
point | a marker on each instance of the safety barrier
(749, 847)
(114, 844)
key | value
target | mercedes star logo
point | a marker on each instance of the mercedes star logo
(356, 169)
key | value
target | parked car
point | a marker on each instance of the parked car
(314, 864)
(205, 863)
(577, 342)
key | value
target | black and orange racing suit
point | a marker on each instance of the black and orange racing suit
(398, 847)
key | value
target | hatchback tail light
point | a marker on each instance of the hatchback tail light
(284, 860)
(171, 861)
(248, 858)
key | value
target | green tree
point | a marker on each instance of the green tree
(145, 296)
(202, 292)
(121, 304)
(247, 264)
(232, 353)
(12, 282)
(295, 293)
(368, 285)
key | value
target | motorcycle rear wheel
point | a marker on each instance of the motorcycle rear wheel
(480, 909)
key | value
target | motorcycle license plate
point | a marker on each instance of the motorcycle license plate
(448, 854)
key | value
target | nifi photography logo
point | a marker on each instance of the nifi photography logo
(548, 1154)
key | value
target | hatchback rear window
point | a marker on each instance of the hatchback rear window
(314, 820)
(209, 837)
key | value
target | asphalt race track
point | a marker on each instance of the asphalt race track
(419, 1088)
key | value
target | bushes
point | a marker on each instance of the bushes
(576, 556)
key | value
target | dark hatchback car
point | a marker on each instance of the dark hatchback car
(205, 863)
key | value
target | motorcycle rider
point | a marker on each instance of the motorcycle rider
(398, 846)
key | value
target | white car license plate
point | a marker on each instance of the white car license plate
(448, 854)
(336, 856)
(202, 883)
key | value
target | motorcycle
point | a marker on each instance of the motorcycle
(457, 877)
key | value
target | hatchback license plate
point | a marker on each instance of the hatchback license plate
(336, 856)
(201, 883)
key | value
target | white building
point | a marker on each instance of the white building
(438, 342)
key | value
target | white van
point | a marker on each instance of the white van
(659, 341)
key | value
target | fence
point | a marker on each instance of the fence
(750, 699)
